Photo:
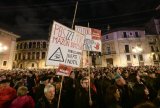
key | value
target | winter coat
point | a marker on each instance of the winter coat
(7, 94)
(23, 102)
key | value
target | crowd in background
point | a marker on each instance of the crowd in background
(110, 87)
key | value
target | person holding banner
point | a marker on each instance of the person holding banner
(82, 95)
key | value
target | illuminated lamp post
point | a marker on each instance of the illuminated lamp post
(137, 50)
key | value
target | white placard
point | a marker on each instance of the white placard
(92, 41)
(65, 46)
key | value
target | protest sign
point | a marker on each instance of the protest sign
(64, 70)
(65, 46)
(92, 41)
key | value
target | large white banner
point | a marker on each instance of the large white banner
(65, 46)
(92, 41)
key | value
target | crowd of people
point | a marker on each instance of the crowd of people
(103, 87)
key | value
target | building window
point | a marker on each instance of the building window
(43, 55)
(16, 57)
(152, 48)
(136, 34)
(4, 63)
(159, 57)
(37, 55)
(21, 46)
(106, 36)
(127, 48)
(38, 44)
(128, 57)
(108, 50)
(17, 46)
(140, 57)
(19, 56)
(33, 55)
(134, 56)
(30, 44)
(44, 44)
(21, 66)
(154, 57)
(125, 34)
(24, 56)
(157, 49)
(25, 45)
(34, 44)
(29, 55)
(32, 64)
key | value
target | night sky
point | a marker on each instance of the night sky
(32, 19)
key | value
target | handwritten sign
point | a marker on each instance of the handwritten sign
(92, 41)
(64, 70)
(65, 46)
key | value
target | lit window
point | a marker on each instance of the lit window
(4, 63)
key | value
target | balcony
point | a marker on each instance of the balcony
(109, 53)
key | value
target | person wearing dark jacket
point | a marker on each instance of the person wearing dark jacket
(82, 99)
(48, 100)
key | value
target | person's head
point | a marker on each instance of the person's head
(140, 92)
(5, 82)
(44, 80)
(84, 82)
(49, 92)
(22, 91)
(112, 94)
(119, 80)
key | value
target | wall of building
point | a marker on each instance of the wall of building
(31, 54)
(117, 42)
(6, 57)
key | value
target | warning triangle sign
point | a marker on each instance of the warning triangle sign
(57, 56)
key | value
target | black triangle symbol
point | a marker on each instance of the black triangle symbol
(57, 56)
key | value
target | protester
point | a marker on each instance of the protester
(48, 100)
(7, 94)
(23, 100)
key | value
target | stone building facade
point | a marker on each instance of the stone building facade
(31, 54)
(7, 47)
(130, 47)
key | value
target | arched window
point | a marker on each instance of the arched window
(19, 56)
(43, 55)
(37, 55)
(32, 64)
(38, 44)
(34, 44)
(15, 56)
(17, 46)
(21, 45)
(33, 55)
(30, 45)
(29, 55)
(25, 45)
(44, 44)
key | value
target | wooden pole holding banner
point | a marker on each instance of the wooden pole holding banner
(75, 11)
(59, 98)
(89, 72)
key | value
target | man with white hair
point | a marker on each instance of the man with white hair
(48, 100)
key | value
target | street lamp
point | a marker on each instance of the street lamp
(137, 50)
(3, 48)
